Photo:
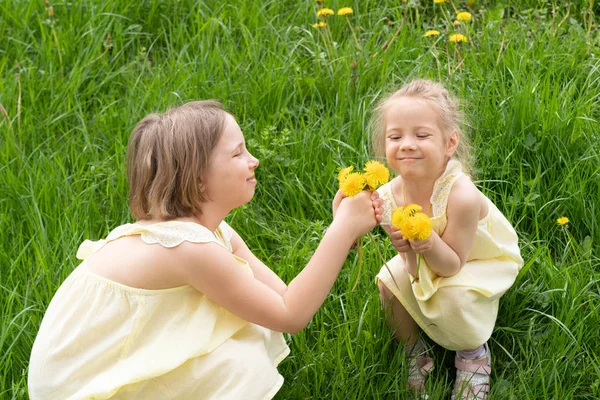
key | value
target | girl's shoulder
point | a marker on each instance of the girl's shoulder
(465, 197)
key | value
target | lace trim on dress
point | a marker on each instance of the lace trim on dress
(168, 234)
(385, 193)
(443, 186)
(173, 233)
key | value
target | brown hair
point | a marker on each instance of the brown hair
(450, 117)
(167, 156)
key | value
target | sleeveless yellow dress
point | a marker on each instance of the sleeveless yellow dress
(457, 312)
(100, 339)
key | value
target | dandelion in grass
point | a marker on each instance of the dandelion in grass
(458, 37)
(376, 174)
(432, 32)
(562, 221)
(463, 16)
(439, 1)
(456, 23)
(319, 24)
(324, 12)
(353, 184)
(345, 11)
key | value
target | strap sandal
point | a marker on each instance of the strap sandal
(419, 368)
(473, 377)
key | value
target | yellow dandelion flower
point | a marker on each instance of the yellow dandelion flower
(420, 228)
(562, 221)
(412, 223)
(376, 174)
(439, 1)
(398, 217)
(344, 173)
(345, 11)
(353, 184)
(319, 24)
(325, 11)
(432, 32)
(406, 227)
(411, 209)
(456, 23)
(458, 37)
(463, 16)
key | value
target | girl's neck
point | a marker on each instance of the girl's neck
(211, 216)
(416, 192)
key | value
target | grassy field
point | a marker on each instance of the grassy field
(75, 77)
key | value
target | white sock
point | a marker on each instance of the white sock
(473, 354)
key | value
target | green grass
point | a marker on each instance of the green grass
(530, 83)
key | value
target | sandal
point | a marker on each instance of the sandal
(473, 377)
(418, 368)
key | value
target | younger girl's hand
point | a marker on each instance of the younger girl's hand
(398, 241)
(422, 246)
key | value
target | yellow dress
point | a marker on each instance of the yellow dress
(457, 312)
(100, 339)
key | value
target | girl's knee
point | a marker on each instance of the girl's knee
(384, 292)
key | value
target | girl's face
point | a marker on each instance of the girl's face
(415, 144)
(229, 179)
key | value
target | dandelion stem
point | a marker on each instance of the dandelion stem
(417, 271)
(382, 259)
(360, 262)
(352, 30)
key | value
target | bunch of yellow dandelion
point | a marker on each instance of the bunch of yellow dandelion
(432, 32)
(413, 224)
(320, 24)
(352, 183)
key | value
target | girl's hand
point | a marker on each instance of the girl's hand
(377, 203)
(339, 196)
(398, 241)
(360, 213)
(422, 246)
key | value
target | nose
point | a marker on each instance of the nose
(407, 143)
(254, 162)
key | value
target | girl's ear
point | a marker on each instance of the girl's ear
(452, 143)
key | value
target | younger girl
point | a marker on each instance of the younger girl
(472, 256)
(175, 305)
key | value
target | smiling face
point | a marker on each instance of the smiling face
(415, 144)
(229, 180)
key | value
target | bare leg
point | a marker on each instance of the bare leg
(406, 330)
(406, 333)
